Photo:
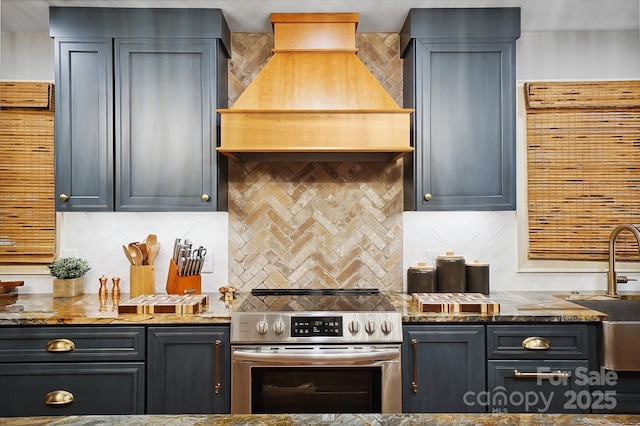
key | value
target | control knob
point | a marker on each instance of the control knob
(386, 326)
(278, 327)
(370, 327)
(262, 327)
(354, 326)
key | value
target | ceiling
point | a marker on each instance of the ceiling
(375, 15)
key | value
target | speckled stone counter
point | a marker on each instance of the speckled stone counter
(333, 420)
(86, 309)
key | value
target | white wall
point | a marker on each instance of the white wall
(487, 236)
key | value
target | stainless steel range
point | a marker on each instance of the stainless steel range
(316, 351)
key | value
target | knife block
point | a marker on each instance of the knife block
(142, 280)
(176, 284)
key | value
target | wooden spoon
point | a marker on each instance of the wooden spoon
(151, 240)
(145, 253)
(136, 254)
(153, 253)
(128, 254)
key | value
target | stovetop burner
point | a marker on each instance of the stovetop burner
(315, 300)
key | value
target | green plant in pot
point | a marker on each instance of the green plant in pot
(68, 276)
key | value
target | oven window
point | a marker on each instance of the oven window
(316, 390)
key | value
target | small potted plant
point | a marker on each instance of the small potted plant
(68, 276)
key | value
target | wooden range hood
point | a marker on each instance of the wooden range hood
(315, 100)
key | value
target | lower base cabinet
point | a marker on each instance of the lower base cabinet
(443, 368)
(535, 387)
(69, 370)
(188, 370)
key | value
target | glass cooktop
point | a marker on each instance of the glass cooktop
(314, 300)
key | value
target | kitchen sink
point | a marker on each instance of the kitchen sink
(620, 332)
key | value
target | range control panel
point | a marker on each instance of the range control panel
(316, 326)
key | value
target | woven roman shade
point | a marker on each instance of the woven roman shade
(583, 168)
(27, 207)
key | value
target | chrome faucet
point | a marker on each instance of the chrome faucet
(612, 278)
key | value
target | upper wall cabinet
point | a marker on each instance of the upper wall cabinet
(136, 123)
(459, 76)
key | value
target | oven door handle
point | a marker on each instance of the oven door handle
(332, 357)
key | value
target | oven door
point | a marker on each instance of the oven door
(316, 379)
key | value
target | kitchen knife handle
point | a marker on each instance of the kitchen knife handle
(217, 377)
(414, 383)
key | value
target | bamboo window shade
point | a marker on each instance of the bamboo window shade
(583, 168)
(27, 206)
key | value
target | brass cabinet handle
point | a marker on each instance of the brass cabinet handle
(63, 197)
(217, 362)
(536, 344)
(60, 345)
(205, 197)
(427, 197)
(58, 397)
(414, 383)
(549, 375)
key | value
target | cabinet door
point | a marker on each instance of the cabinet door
(464, 125)
(534, 387)
(96, 388)
(188, 370)
(166, 125)
(84, 124)
(443, 368)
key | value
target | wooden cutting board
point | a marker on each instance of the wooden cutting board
(455, 302)
(164, 304)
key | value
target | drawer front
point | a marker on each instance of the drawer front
(538, 387)
(68, 343)
(559, 341)
(97, 388)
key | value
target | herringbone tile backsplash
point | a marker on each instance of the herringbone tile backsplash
(330, 225)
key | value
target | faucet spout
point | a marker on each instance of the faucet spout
(612, 277)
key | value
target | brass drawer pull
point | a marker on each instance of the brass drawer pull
(414, 383)
(536, 344)
(60, 345)
(58, 397)
(217, 363)
(550, 375)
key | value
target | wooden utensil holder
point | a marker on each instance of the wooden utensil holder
(176, 284)
(142, 280)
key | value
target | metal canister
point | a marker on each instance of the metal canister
(477, 277)
(421, 279)
(451, 274)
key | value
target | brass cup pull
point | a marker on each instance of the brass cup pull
(63, 197)
(58, 397)
(546, 375)
(427, 197)
(205, 197)
(536, 344)
(60, 345)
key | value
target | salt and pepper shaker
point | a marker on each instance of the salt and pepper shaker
(116, 285)
(103, 285)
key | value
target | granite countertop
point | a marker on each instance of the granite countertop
(86, 309)
(333, 419)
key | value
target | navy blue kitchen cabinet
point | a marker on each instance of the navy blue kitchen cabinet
(188, 370)
(136, 122)
(67, 370)
(443, 368)
(540, 368)
(459, 76)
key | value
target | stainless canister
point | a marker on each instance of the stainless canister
(421, 279)
(477, 277)
(451, 273)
